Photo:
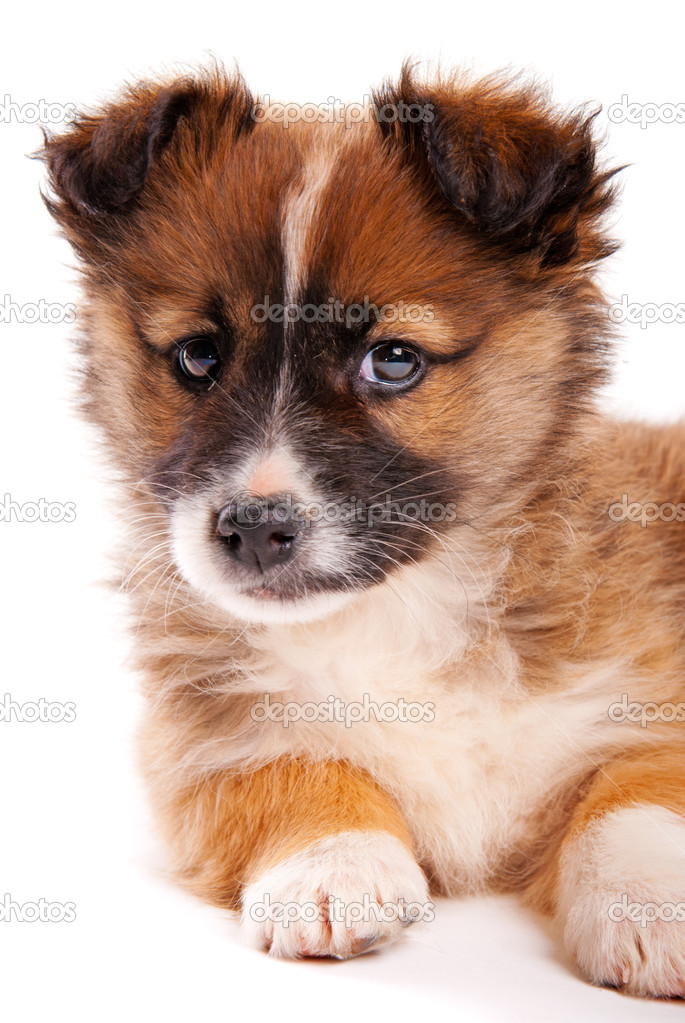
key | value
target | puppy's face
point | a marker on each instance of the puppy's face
(325, 350)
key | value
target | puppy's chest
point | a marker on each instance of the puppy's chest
(470, 756)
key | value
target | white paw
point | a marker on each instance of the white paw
(622, 901)
(338, 898)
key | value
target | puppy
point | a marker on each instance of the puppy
(346, 365)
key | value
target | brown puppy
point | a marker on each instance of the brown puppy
(390, 610)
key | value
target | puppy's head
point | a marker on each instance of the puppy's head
(322, 349)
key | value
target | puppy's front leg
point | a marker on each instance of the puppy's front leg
(316, 855)
(621, 875)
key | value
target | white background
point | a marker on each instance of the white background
(73, 826)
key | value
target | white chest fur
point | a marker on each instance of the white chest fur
(428, 698)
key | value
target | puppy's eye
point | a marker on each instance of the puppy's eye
(199, 360)
(390, 364)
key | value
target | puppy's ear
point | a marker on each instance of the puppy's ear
(521, 173)
(100, 164)
(99, 167)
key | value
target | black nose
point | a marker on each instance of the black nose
(259, 534)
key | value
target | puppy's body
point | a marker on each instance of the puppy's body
(517, 621)
(517, 729)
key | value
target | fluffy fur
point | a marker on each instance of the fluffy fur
(520, 619)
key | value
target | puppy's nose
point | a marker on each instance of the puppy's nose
(259, 534)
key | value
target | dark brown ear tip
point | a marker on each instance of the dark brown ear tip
(99, 166)
(522, 173)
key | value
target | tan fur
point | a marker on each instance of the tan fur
(229, 828)
(648, 776)
(652, 776)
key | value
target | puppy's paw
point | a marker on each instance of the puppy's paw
(339, 898)
(622, 901)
